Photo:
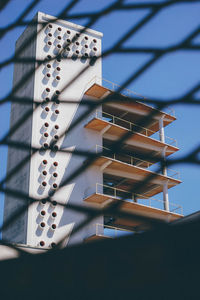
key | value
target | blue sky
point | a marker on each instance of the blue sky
(170, 77)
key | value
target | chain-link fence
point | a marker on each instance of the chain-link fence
(115, 148)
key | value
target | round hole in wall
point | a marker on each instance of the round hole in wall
(57, 101)
(42, 224)
(68, 41)
(44, 173)
(53, 245)
(49, 35)
(48, 66)
(54, 214)
(86, 55)
(57, 112)
(55, 163)
(58, 60)
(68, 31)
(45, 146)
(56, 137)
(86, 46)
(68, 49)
(56, 127)
(46, 109)
(42, 243)
(49, 43)
(57, 92)
(59, 29)
(47, 99)
(53, 226)
(59, 37)
(43, 201)
(43, 212)
(77, 52)
(94, 41)
(55, 175)
(58, 78)
(49, 27)
(49, 56)
(55, 185)
(46, 135)
(54, 203)
(86, 38)
(46, 124)
(94, 49)
(77, 43)
(44, 183)
(44, 162)
(47, 90)
(58, 46)
(48, 75)
(58, 69)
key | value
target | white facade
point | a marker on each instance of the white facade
(49, 124)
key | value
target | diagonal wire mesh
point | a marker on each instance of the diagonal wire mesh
(116, 147)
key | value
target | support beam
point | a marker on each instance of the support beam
(161, 129)
(165, 186)
(120, 182)
(134, 198)
(164, 169)
(165, 197)
(107, 93)
(163, 165)
(124, 114)
(105, 129)
(105, 165)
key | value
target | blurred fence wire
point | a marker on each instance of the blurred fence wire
(157, 53)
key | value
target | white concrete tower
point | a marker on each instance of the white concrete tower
(52, 83)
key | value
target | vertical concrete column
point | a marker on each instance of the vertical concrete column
(164, 169)
(165, 196)
(165, 186)
(134, 198)
(161, 130)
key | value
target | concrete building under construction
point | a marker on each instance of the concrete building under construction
(60, 74)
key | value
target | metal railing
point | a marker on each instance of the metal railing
(133, 127)
(131, 160)
(117, 193)
(173, 173)
(134, 161)
(114, 231)
(123, 91)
